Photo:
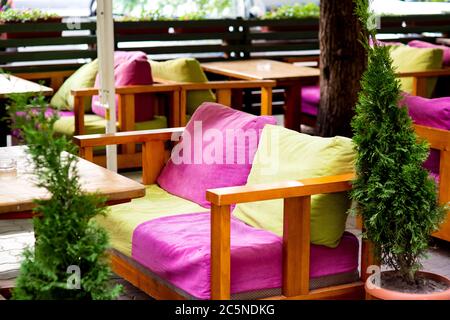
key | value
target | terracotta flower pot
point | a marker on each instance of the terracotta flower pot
(374, 292)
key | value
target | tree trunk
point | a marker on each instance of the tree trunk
(342, 62)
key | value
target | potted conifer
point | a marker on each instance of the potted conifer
(395, 196)
(69, 261)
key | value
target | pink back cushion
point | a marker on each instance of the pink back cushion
(424, 44)
(218, 155)
(130, 68)
(433, 113)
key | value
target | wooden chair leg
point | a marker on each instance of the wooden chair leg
(220, 253)
(266, 101)
(224, 97)
(126, 119)
(296, 246)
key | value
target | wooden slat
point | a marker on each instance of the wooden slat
(266, 101)
(78, 108)
(296, 246)
(96, 140)
(7, 57)
(220, 253)
(286, 189)
(134, 89)
(424, 74)
(153, 158)
(350, 291)
(444, 193)
(183, 106)
(132, 274)
(126, 118)
(224, 97)
(437, 138)
(229, 84)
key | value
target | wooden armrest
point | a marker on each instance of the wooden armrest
(425, 74)
(285, 189)
(232, 84)
(437, 138)
(134, 89)
(95, 140)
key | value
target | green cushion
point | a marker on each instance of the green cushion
(122, 219)
(184, 70)
(408, 59)
(84, 77)
(96, 124)
(288, 155)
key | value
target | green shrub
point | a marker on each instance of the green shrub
(16, 15)
(296, 11)
(395, 195)
(65, 233)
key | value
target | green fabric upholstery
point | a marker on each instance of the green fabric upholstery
(184, 70)
(122, 219)
(288, 155)
(84, 77)
(96, 124)
(409, 59)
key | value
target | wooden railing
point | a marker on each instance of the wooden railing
(219, 39)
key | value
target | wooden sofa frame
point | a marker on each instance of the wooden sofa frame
(129, 158)
(296, 232)
(296, 239)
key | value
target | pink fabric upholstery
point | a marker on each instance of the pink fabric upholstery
(130, 68)
(310, 100)
(218, 155)
(432, 113)
(177, 248)
(424, 44)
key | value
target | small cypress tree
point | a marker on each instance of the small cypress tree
(396, 197)
(65, 233)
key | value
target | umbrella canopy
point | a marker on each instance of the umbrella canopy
(105, 53)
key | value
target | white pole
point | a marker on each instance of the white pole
(105, 53)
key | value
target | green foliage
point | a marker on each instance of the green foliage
(396, 197)
(16, 15)
(66, 235)
(296, 11)
(202, 9)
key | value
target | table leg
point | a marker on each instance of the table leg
(293, 102)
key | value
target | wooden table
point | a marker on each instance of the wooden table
(287, 75)
(17, 190)
(11, 85)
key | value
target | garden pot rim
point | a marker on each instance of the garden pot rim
(386, 294)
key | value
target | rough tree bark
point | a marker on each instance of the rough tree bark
(342, 62)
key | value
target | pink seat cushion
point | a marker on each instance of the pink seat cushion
(130, 68)
(310, 100)
(424, 44)
(217, 150)
(177, 248)
(431, 113)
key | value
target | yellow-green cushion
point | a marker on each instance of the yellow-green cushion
(408, 59)
(122, 219)
(184, 70)
(96, 124)
(84, 77)
(288, 155)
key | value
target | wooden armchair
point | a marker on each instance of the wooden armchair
(296, 241)
(440, 140)
(224, 90)
(128, 158)
(420, 79)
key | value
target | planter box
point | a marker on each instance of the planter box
(25, 35)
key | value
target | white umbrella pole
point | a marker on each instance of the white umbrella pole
(105, 53)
